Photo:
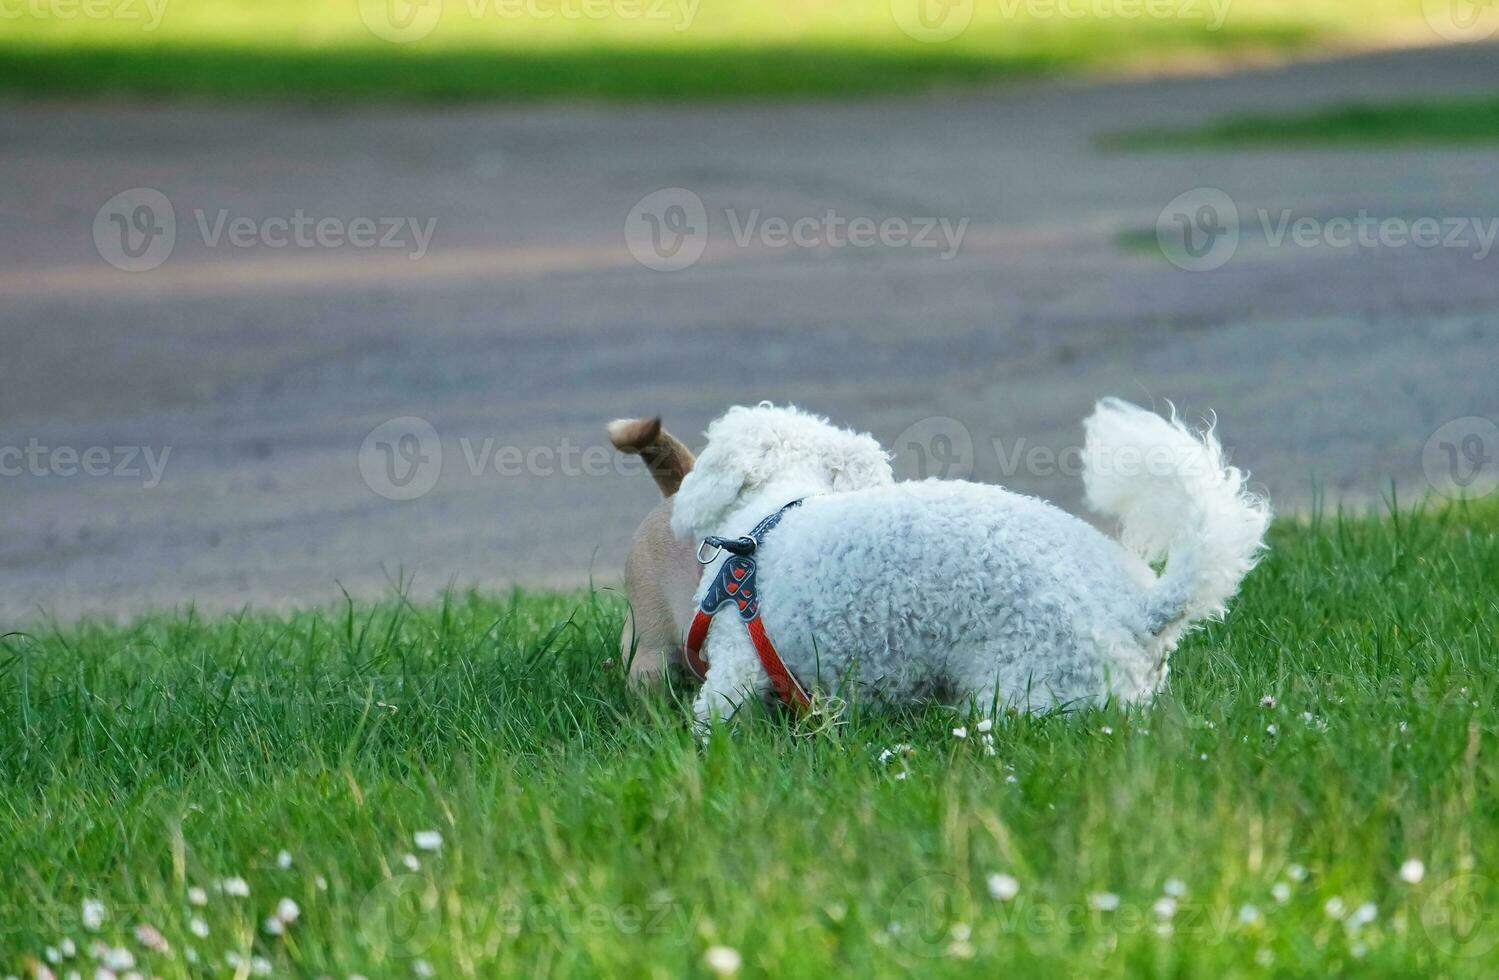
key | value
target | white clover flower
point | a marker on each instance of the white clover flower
(1249, 915)
(1413, 871)
(287, 911)
(52, 955)
(1281, 892)
(1335, 908)
(1270, 729)
(422, 969)
(1164, 907)
(93, 913)
(68, 948)
(197, 896)
(198, 927)
(1103, 901)
(986, 726)
(427, 840)
(1002, 887)
(1363, 915)
(283, 860)
(724, 961)
(151, 938)
(273, 926)
(1268, 701)
(235, 887)
(1295, 872)
(1107, 729)
(410, 862)
(260, 966)
(960, 732)
(1175, 887)
(119, 958)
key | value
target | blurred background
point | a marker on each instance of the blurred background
(302, 297)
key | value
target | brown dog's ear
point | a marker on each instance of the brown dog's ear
(665, 456)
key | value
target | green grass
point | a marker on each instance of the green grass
(1455, 122)
(585, 834)
(324, 50)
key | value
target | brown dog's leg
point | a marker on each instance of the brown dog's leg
(665, 456)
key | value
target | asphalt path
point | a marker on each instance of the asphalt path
(363, 347)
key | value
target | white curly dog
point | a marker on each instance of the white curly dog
(961, 591)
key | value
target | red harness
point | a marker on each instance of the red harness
(735, 583)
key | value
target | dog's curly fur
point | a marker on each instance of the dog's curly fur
(966, 591)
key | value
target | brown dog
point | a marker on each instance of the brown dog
(661, 573)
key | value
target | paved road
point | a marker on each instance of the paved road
(259, 370)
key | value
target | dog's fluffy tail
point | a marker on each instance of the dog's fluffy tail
(665, 456)
(1174, 497)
